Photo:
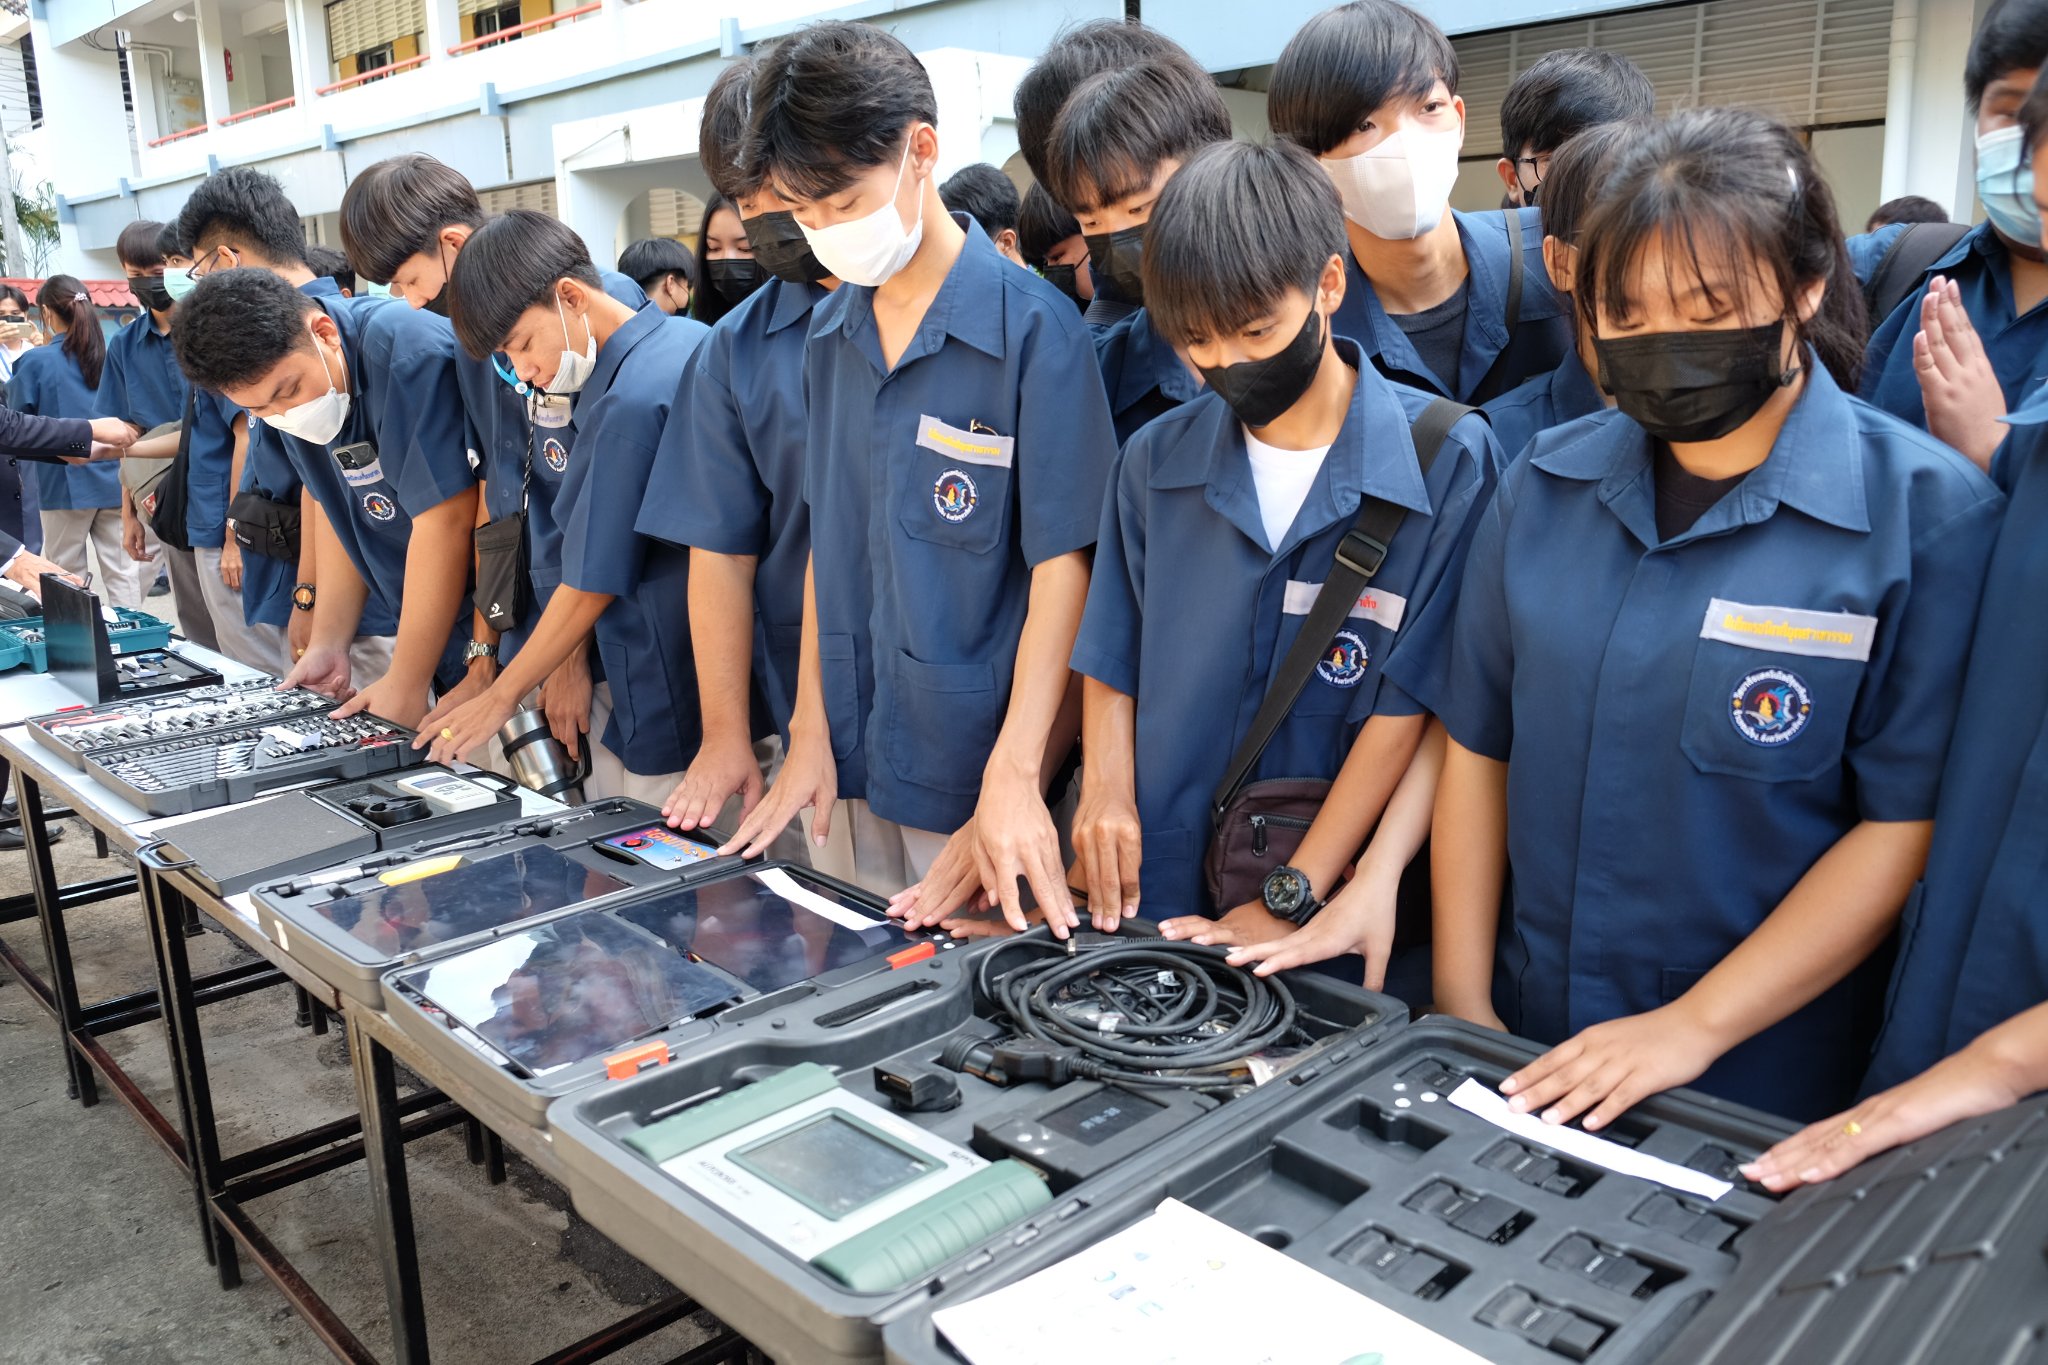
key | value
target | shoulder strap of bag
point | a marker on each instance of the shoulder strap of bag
(1910, 256)
(1516, 265)
(1359, 556)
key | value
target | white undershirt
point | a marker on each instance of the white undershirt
(1283, 478)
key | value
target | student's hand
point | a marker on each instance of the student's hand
(565, 701)
(28, 569)
(325, 671)
(1969, 1083)
(809, 781)
(231, 564)
(1108, 848)
(454, 734)
(955, 882)
(112, 431)
(1247, 924)
(721, 768)
(1359, 919)
(987, 922)
(1961, 391)
(1014, 837)
(133, 538)
(102, 451)
(1611, 1066)
(476, 680)
(298, 633)
(390, 698)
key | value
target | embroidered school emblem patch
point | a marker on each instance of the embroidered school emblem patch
(379, 506)
(555, 453)
(955, 495)
(1770, 707)
(1343, 663)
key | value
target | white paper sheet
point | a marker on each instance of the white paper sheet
(796, 893)
(1180, 1288)
(1489, 1104)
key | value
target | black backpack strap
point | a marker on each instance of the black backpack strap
(1516, 266)
(1910, 256)
(1359, 556)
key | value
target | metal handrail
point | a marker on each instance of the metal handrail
(372, 74)
(531, 25)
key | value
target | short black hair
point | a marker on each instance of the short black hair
(1348, 61)
(236, 325)
(243, 203)
(1073, 56)
(2013, 37)
(507, 266)
(1565, 92)
(832, 100)
(722, 131)
(396, 208)
(984, 194)
(170, 242)
(1042, 225)
(1573, 184)
(12, 294)
(333, 263)
(651, 256)
(1916, 208)
(1236, 228)
(1118, 126)
(137, 245)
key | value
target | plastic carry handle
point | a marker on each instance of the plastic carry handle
(713, 1119)
(918, 1240)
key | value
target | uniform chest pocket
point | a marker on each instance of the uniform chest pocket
(363, 477)
(1773, 689)
(955, 487)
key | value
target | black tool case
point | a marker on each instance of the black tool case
(225, 767)
(1367, 1173)
(1933, 1254)
(303, 831)
(78, 730)
(301, 914)
(896, 1022)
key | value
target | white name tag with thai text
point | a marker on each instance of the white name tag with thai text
(1374, 604)
(1789, 630)
(971, 446)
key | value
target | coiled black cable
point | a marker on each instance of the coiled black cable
(1140, 1011)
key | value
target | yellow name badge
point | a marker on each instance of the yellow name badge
(971, 447)
(1790, 630)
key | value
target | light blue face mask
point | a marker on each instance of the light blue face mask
(179, 283)
(377, 291)
(2006, 187)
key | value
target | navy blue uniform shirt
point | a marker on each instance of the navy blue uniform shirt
(1141, 374)
(48, 383)
(935, 488)
(1974, 941)
(141, 383)
(1546, 401)
(1191, 614)
(1690, 725)
(643, 637)
(404, 406)
(1982, 270)
(728, 475)
(1492, 361)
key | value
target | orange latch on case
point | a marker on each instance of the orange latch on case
(634, 1060)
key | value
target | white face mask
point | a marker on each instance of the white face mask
(318, 420)
(868, 250)
(575, 368)
(1399, 189)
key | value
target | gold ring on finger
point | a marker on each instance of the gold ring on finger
(447, 732)
(1852, 1128)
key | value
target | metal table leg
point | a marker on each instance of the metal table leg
(390, 1195)
(42, 873)
(181, 1014)
(170, 989)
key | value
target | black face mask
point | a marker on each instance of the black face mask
(1062, 278)
(1259, 391)
(1117, 257)
(150, 290)
(781, 249)
(734, 280)
(438, 305)
(1694, 386)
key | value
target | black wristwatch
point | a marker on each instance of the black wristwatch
(1289, 894)
(302, 597)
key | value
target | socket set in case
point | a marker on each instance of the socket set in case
(78, 731)
(221, 767)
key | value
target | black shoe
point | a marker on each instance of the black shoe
(13, 839)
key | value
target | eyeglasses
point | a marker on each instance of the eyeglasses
(1538, 165)
(234, 260)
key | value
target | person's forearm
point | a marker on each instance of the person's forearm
(1059, 590)
(1468, 865)
(309, 544)
(722, 637)
(338, 603)
(1378, 758)
(1109, 736)
(2019, 1049)
(1833, 919)
(238, 459)
(562, 631)
(162, 447)
(480, 630)
(808, 722)
(436, 573)
(1405, 825)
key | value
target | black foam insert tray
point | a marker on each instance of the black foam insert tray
(1508, 1248)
